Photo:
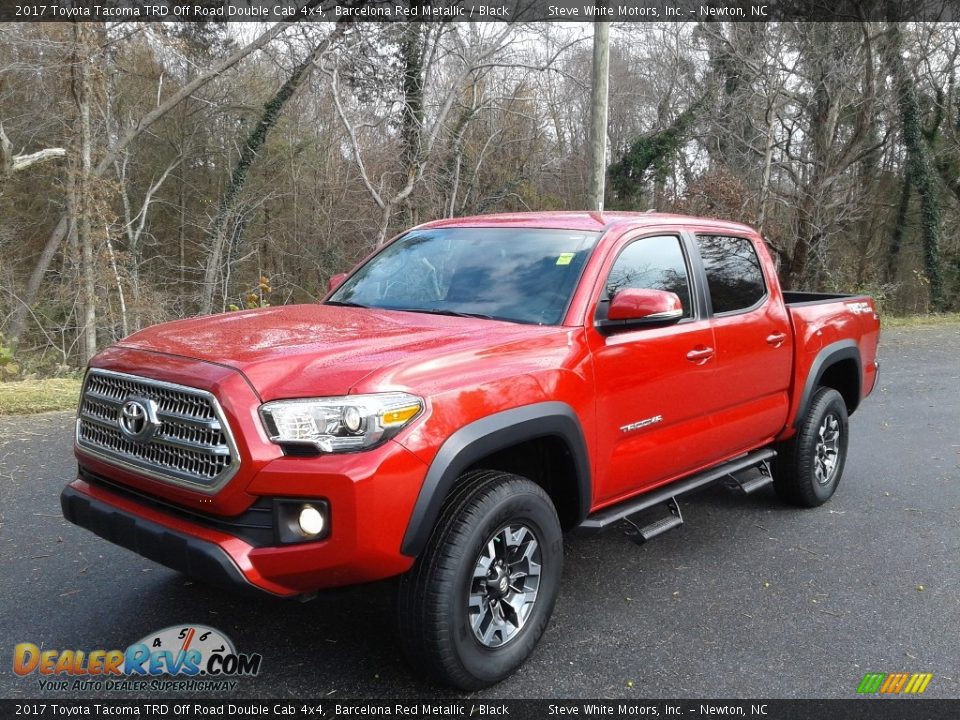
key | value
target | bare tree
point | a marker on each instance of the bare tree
(468, 51)
(248, 153)
(110, 156)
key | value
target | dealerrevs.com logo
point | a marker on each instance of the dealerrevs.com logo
(180, 657)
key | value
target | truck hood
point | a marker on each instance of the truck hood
(319, 350)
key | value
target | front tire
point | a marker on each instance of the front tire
(477, 600)
(809, 465)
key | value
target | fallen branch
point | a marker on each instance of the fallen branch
(10, 163)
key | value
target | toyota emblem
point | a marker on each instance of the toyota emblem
(138, 419)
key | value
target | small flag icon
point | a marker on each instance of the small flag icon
(894, 683)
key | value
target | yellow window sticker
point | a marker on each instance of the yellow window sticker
(565, 258)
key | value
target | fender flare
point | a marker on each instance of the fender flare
(483, 437)
(832, 353)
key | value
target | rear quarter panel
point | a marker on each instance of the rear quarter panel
(818, 325)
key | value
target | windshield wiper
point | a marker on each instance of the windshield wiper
(345, 303)
(452, 313)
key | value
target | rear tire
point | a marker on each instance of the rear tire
(808, 467)
(478, 598)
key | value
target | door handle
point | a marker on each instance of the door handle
(700, 354)
(776, 339)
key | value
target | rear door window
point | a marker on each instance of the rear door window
(734, 275)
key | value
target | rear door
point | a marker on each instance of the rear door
(754, 342)
(655, 385)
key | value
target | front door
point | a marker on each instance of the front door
(654, 385)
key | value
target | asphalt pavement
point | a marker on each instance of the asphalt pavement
(748, 599)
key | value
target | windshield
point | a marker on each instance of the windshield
(523, 275)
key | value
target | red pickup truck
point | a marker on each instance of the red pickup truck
(472, 389)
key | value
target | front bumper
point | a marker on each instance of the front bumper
(179, 550)
(370, 495)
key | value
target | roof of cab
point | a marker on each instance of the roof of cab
(584, 220)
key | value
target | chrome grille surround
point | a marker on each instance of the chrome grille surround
(193, 446)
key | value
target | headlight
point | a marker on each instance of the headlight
(339, 424)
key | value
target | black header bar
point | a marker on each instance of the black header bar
(479, 10)
(900, 708)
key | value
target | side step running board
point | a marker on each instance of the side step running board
(607, 517)
(658, 527)
(748, 484)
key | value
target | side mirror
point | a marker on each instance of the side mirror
(632, 307)
(336, 281)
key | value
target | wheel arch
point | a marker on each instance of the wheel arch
(505, 441)
(836, 366)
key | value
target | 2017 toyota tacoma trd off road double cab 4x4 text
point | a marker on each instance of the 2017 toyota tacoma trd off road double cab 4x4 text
(471, 390)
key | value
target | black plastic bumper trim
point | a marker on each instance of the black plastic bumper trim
(179, 551)
(254, 526)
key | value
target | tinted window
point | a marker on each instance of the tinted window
(519, 274)
(733, 272)
(653, 263)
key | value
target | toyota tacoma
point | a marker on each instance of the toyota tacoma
(470, 391)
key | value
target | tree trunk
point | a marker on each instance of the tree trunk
(899, 226)
(921, 173)
(124, 321)
(808, 237)
(86, 200)
(767, 165)
(411, 117)
(413, 47)
(181, 233)
(455, 163)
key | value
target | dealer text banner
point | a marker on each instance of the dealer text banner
(477, 10)
(518, 709)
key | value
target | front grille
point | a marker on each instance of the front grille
(183, 437)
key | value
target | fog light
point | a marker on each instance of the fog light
(311, 520)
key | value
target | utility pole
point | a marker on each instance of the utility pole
(599, 98)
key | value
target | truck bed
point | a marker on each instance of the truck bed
(795, 297)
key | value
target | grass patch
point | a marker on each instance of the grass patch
(916, 321)
(36, 396)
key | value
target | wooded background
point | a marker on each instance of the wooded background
(150, 172)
